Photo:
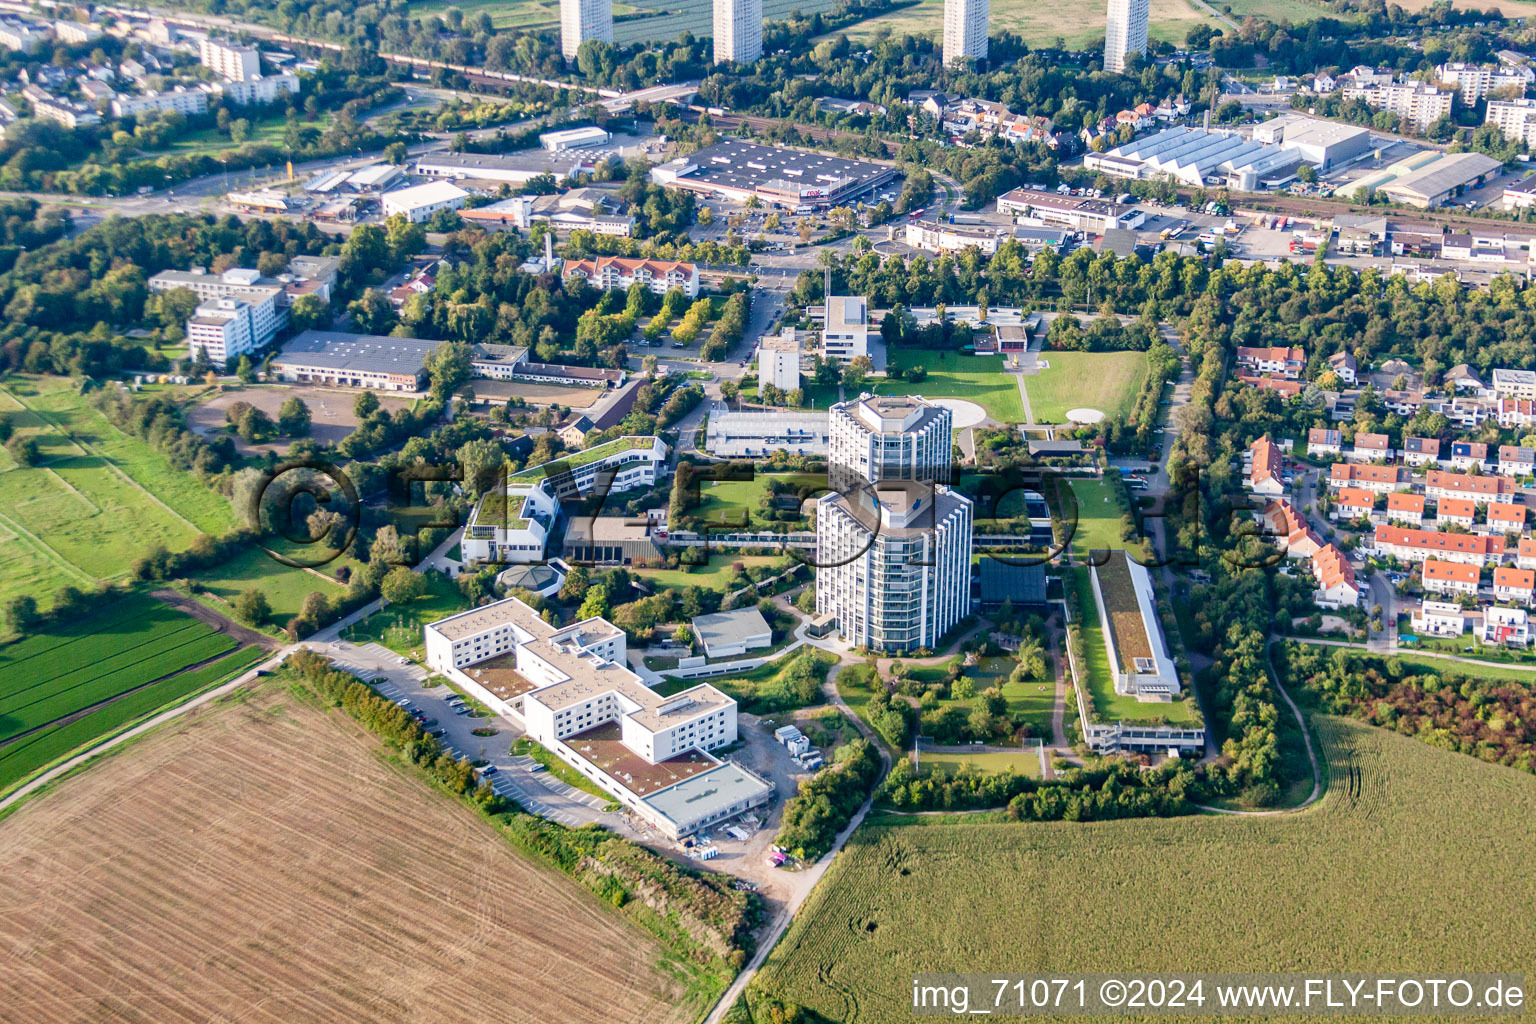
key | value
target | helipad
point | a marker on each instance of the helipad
(966, 414)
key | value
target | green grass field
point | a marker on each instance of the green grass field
(36, 750)
(1098, 517)
(1298, 12)
(97, 499)
(1024, 762)
(1340, 887)
(285, 586)
(398, 626)
(1107, 381)
(714, 576)
(1038, 23)
(211, 141)
(978, 379)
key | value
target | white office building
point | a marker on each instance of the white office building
(1125, 32)
(511, 526)
(965, 29)
(571, 691)
(581, 20)
(893, 545)
(185, 101)
(259, 88)
(778, 360)
(419, 202)
(890, 437)
(232, 326)
(739, 31)
(845, 328)
(228, 60)
(1515, 118)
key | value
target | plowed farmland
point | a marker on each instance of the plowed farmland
(1408, 864)
(262, 861)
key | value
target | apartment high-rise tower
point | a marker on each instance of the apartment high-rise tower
(965, 29)
(1125, 32)
(893, 546)
(738, 31)
(581, 20)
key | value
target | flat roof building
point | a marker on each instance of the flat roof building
(420, 202)
(788, 178)
(746, 435)
(1197, 157)
(734, 632)
(575, 138)
(355, 360)
(569, 689)
(1324, 144)
(1092, 216)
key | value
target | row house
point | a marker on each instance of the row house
(1336, 584)
(1421, 451)
(1356, 502)
(1525, 553)
(1506, 517)
(1450, 577)
(1344, 364)
(1481, 489)
(1439, 618)
(1412, 545)
(1290, 530)
(1370, 448)
(1322, 441)
(1514, 585)
(1405, 508)
(1516, 461)
(1381, 479)
(1515, 412)
(1455, 512)
(1281, 361)
(1467, 455)
(1264, 468)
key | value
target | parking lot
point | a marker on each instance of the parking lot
(518, 778)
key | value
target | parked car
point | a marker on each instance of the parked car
(489, 769)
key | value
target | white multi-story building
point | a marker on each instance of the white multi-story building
(570, 690)
(660, 276)
(1125, 32)
(186, 101)
(938, 237)
(512, 525)
(1505, 627)
(581, 20)
(211, 286)
(897, 437)
(1440, 618)
(1515, 118)
(1418, 103)
(419, 202)
(893, 544)
(21, 35)
(1474, 81)
(746, 435)
(232, 326)
(1133, 637)
(259, 89)
(778, 360)
(738, 31)
(228, 60)
(965, 29)
(76, 33)
(622, 464)
(845, 328)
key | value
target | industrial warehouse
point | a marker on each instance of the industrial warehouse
(1196, 157)
(787, 178)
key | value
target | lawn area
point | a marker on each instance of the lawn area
(929, 894)
(1100, 680)
(1442, 667)
(97, 499)
(816, 396)
(1296, 11)
(1107, 381)
(1023, 762)
(398, 626)
(729, 502)
(1034, 699)
(714, 576)
(212, 141)
(1038, 23)
(285, 586)
(1098, 517)
(978, 379)
(72, 683)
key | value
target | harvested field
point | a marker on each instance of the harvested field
(330, 413)
(260, 860)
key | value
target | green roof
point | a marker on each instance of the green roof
(578, 459)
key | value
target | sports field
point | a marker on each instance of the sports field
(1023, 762)
(1107, 381)
(1339, 887)
(1038, 23)
(978, 379)
(66, 686)
(265, 858)
(97, 499)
